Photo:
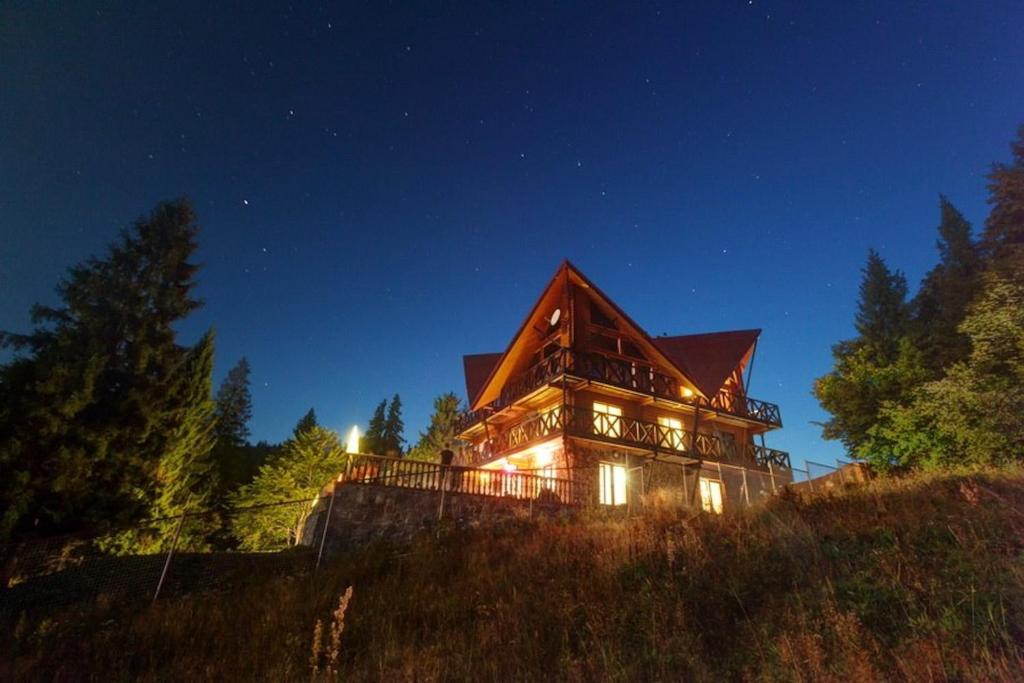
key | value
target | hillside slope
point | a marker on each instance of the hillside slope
(917, 579)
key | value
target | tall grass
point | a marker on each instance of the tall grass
(916, 579)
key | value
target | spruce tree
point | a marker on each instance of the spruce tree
(306, 464)
(233, 412)
(1003, 237)
(394, 428)
(441, 430)
(373, 441)
(882, 312)
(307, 422)
(89, 404)
(875, 367)
(234, 406)
(947, 290)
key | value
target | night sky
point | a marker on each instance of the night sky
(384, 189)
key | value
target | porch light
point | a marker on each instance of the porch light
(352, 446)
(687, 392)
(544, 456)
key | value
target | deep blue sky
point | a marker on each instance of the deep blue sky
(383, 189)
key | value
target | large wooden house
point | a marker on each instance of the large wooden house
(582, 394)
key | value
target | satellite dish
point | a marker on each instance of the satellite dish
(555, 317)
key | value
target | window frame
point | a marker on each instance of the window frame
(612, 484)
(707, 498)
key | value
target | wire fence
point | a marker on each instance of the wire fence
(154, 559)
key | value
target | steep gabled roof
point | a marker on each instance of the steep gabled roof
(704, 360)
(478, 368)
(709, 358)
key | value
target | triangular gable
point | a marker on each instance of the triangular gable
(553, 296)
(710, 358)
(477, 368)
(556, 295)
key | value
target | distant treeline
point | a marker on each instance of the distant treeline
(938, 380)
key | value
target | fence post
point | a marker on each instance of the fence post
(444, 487)
(810, 479)
(746, 491)
(170, 554)
(327, 523)
(771, 474)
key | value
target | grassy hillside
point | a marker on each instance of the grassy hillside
(917, 579)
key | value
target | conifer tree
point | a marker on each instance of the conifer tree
(307, 422)
(89, 407)
(874, 367)
(394, 428)
(440, 431)
(233, 412)
(234, 406)
(305, 465)
(187, 477)
(373, 441)
(1003, 237)
(882, 312)
(947, 290)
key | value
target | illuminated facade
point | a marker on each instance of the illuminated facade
(583, 394)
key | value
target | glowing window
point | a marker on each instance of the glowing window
(671, 433)
(607, 420)
(612, 481)
(711, 495)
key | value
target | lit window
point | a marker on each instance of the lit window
(711, 495)
(612, 479)
(607, 420)
(671, 433)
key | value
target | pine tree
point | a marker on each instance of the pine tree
(373, 441)
(875, 367)
(89, 407)
(234, 406)
(441, 430)
(947, 290)
(394, 428)
(307, 422)
(1003, 237)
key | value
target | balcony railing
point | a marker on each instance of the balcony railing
(417, 474)
(618, 429)
(644, 379)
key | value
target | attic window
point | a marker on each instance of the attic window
(598, 317)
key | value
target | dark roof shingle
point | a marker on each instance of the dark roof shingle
(708, 359)
(478, 367)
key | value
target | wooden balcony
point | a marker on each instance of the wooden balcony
(428, 476)
(631, 376)
(625, 431)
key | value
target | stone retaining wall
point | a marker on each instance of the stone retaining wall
(364, 513)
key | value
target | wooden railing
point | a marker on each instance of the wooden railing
(618, 429)
(428, 476)
(634, 376)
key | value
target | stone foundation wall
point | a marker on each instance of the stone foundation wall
(365, 513)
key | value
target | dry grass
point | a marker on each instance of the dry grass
(917, 579)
